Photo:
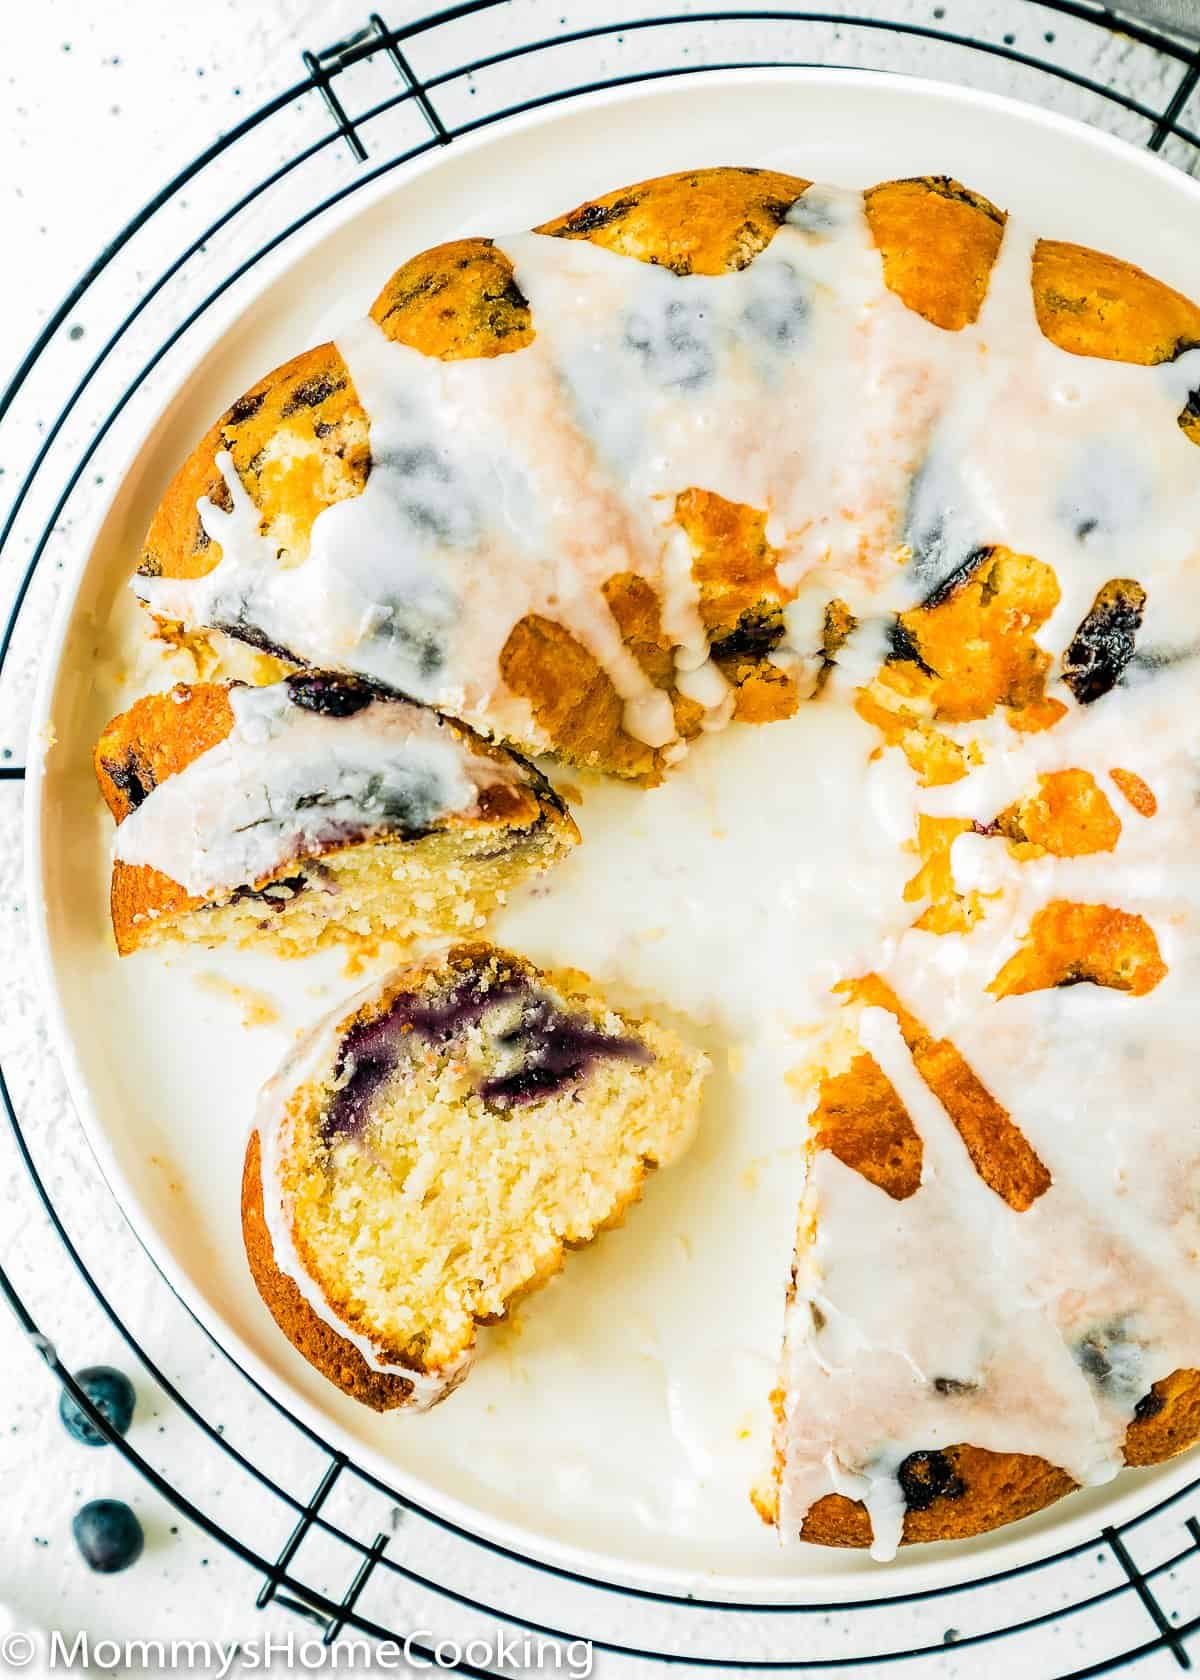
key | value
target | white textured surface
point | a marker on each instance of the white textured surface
(103, 104)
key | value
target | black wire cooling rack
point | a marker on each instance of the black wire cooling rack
(346, 1551)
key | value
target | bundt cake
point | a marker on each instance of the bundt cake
(427, 1156)
(310, 811)
(699, 451)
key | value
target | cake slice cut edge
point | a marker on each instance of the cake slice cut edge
(425, 1160)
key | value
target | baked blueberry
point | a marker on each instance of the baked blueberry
(1148, 1406)
(277, 895)
(555, 1050)
(108, 1535)
(328, 693)
(111, 1392)
(1111, 1359)
(926, 1476)
(1103, 645)
(545, 1048)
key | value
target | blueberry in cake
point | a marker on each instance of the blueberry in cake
(426, 1158)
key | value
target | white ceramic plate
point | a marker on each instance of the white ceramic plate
(161, 1068)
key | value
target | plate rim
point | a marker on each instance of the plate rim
(1005, 1550)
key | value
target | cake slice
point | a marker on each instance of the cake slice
(426, 1157)
(312, 811)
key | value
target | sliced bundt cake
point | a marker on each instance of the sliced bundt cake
(428, 1156)
(310, 811)
(692, 453)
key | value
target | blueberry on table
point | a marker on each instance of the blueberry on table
(110, 1391)
(108, 1535)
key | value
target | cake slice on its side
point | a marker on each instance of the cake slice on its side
(421, 1161)
(316, 810)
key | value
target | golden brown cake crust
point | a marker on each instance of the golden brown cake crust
(938, 241)
(702, 221)
(965, 1490)
(1166, 1420)
(155, 738)
(331, 1354)
(969, 1491)
(961, 1490)
(454, 302)
(299, 442)
(1096, 305)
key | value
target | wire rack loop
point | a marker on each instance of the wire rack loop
(424, 92)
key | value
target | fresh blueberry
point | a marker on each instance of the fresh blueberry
(108, 1535)
(110, 1391)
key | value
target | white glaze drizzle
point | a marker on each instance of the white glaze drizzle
(800, 386)
(287, 782)
(521, 483)
(884, 451)
(313, 1058)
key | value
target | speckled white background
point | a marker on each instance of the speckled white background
(101, 104)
